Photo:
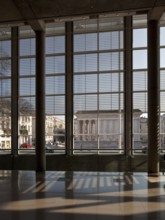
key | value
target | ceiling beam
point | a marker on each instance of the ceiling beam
(29, 15)
(37, 25)
(156, 13)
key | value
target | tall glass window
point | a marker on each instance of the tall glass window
(55, 88)
(140, 116)
(98, 86)
(5, 90)
(26, 102)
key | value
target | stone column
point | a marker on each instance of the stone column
(80, 129)
(83, 130)
(90, 130)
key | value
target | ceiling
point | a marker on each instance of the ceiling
(36, 12)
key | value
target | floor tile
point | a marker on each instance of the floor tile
(62, 195)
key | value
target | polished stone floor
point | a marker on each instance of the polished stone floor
(27, 195)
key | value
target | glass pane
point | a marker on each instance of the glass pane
(140, 130)
(109, 124)
(26, 125)
(85, 132)
(110, 61)
(140, 38)
(5, 49)
(85, 42)
(27, 47)
(121, 82)
(55, 44)
(85, 102)
(26, 133)
(85, 63)
(162, 36)
(162, 80)
(55, 105)
(162, 58)
(5, 87)
(140, 101)
(27, 86)
(140, 59)
(110, 40)
(55, 85)
(5, 124)
(27, 66)
(55, 134)
(109, 101)
(5, 67)
(140, 81)
(109, 82)
(55, 65)
(162, 101)
(85, 83)
(26, 105)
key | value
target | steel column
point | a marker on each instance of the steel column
(69, 88)
(14, 94)
(40, 101)
(153, 97)
(128, 85)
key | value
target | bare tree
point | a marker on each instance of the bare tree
(25, 107)
(5, 63)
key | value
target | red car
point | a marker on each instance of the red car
(25, 145)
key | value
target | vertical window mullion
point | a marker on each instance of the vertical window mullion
(128, 86)
(69, 88)
(15, 86)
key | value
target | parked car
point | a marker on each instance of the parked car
(25, 146)
(49, 148)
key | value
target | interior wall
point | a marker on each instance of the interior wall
(113, 163)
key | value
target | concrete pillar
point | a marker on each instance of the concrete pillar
(153, 97)
(128, 85)
(40, 101)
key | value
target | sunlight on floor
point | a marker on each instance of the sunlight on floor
(94, 194)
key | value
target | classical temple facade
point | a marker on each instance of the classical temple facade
(105, 129)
